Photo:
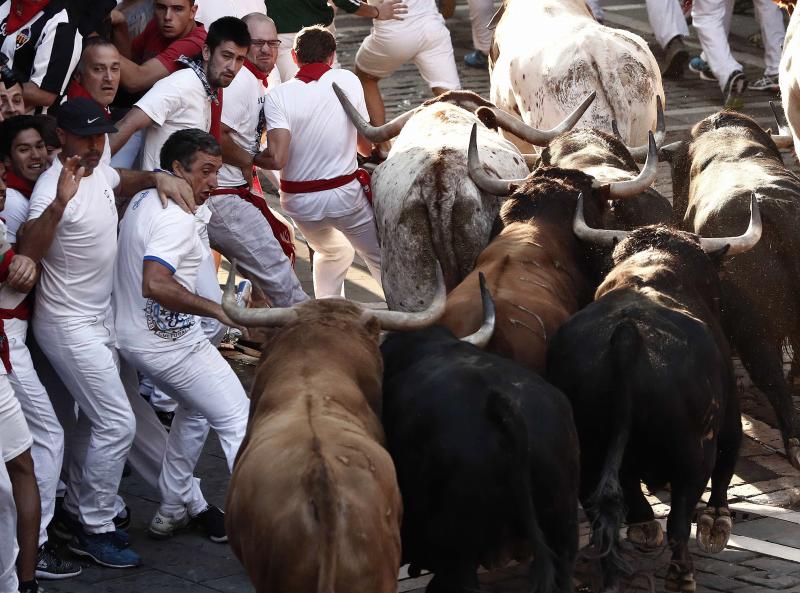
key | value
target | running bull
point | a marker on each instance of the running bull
(728, 158)
(649, 374)
(313, 504)
(487, 461)
(426, 206)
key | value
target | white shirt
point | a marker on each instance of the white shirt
(210, 10)
(176, 102)
(242, 105)
(168, 236)
(78, 270)
(323, 144)
(15, 213)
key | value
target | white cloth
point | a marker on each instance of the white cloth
(78, 270)
(421, 38)
(667, 20)
(176, 102)
(169, 237)
(209, 11)
(480, 15)
(246, 7)
(15, 213)
(15, 438)
(323, 143)
(242, 108)
(285, 65)
(333, 241)
(773, 31)
(8, 532)
(712, 20)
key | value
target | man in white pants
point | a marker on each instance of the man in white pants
(241, 225)
(8, 532)
(480, 15)
(159, 333)
(669, 26)
(314, 145)
(71, 229)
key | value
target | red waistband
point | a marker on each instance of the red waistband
(21, 311)
(315, 185)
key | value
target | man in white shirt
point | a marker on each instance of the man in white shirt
(314, 145)
(184, 99)
(158, 326)
(71, 230)
(240, 225)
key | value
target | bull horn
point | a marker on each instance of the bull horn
(481, 337)
(266, 317)
(487, 183)
(540, 137)
(597, 236)
(784, 138)
(496, 17)
(372, 133)
(635, 186)
(404, 321)
(742, 243)
(640, 153)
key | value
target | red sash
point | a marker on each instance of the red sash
(315, 185)
(5, 354)
(311, 72)
(278, 228)
(216, 117)
(76, 89)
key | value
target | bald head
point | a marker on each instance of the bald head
(263, 33)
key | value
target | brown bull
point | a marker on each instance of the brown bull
(313, 504)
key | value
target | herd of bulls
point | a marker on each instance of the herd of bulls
(558, 334)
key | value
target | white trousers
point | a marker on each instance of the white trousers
(239, 231)
(773, 31)
(335, 242)
(284, 64)
(48, 436)
(667, 20)
(712, 20)
(208, 393)
(8, 532)
(480, 14)
(82, 352)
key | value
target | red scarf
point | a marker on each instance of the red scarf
(18, 183)
(76, 90)
(262, 76)
(15, 21)
(216, 117)
(311, 72)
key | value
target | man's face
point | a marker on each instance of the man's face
(100, 72)
(11, 101)
(224, 63)
(261, 53)
(201, 176)
(28, 158)
(173, 17)
(88, 148)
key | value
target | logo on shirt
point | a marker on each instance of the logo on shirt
(23, 37)
(166, 324)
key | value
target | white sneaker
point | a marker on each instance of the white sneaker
(163, 527)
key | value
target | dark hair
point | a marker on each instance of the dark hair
(228, 28)
(11, 127)
(47, 128)
(314, 44)
(183, 146)
(90, 42)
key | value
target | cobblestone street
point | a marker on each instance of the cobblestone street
(763, 555)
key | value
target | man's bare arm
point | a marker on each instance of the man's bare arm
(36, 97)
(136, 78)
(275, 155)
(169, 187)
(134, 120)
(120, 35)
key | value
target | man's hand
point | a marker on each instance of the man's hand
(174, 188)
(117, 18)
(391, 10)
(69, 180)
(22, 273)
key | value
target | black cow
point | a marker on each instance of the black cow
(487, 462)
(649, 374)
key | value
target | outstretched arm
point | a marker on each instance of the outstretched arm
(134, 120)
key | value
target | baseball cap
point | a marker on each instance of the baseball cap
(84, 117)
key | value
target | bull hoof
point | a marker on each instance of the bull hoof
(713, 529)
(646, 535)
(793, 452)
(676, 581)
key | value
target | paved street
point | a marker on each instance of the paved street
(764, 553)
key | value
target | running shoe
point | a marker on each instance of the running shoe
(164, 527)
(735, 86)
(476, 59)
(105, 549)
(699, 66)
(212, 520)
(766, 83)
(51, 566)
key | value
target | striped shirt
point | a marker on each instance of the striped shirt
(43, 51)
(292, 15)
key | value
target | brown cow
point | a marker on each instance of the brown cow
(537, 271)
(313, 504)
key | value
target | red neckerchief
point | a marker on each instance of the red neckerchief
(18, 183)
(262, 76)
(216, 117)
(76, 89)
(15, 21)
(311, 72)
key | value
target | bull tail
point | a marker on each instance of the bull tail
(324, 503)
(607, 503)
(504, 413)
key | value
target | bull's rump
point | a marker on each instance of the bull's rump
(291, 499)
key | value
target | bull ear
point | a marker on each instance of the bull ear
(668, 152)
(718, 257)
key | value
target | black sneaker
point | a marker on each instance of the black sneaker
(735, 86)
(29, 587)
(123, 519)
(212, 520)
(50, 566)
(64, 524)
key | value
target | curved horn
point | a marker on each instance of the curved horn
(635, 186)
(741, 243)
(615, 131)
(403, 321)
(481, 337)
(784, 138)
(487, 183)
(639, 153)
(539, 137)
(598, 236)
(268, 317)
(375, 134)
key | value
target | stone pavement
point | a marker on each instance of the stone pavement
(764, 554)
